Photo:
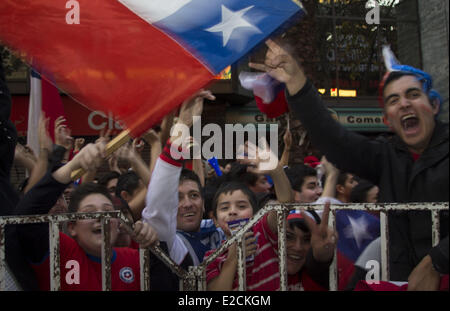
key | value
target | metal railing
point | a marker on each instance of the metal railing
(195, 278)
(54, 222)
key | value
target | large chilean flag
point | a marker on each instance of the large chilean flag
(137, 58)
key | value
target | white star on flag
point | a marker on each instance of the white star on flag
(230, 21)
(357, 230)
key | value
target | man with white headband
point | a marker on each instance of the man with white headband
(411, 167)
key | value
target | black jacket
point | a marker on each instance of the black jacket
(388, 164)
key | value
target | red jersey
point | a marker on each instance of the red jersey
(263, 272)
(86, 270)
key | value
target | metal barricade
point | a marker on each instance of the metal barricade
(55, 220)
(195, 278)
(282, 212)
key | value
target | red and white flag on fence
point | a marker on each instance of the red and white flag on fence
(138, 59)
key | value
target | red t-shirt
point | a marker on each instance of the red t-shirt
(86, 270)
(263, 273)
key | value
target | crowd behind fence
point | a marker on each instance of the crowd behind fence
(195, 278)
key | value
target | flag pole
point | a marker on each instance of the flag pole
(111, 147)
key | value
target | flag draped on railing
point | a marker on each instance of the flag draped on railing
(138, 59)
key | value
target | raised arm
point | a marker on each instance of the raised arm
(287, 138)
(350, 151)
(162, 197)
(152, 138)
(266, 162)
(43, 196)
(129, 153)
(323, 244)
(22, 159)
(45, 150)
(331, 176)
(166, 126)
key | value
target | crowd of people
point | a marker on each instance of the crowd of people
(185, 206)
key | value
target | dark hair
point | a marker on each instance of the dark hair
(297, 174)
(359, 192)
(190, 175)
(128, 182)
(83, 191)
(262, 199)
(395, 75)
(231, 187)
(238, 172)
(342, 177)
(208, 196)
(105, 178)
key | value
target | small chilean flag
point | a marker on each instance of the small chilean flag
(137, 58)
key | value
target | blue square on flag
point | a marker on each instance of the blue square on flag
(218, 32)
(356, 230)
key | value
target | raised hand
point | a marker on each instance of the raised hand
(62, 134)
(282, 66)
(323, 238)
(138, 145)
(104, 136)
(90, 157)
(328, 167)
(151, 137)
(287, 138)
(193, 106)
(79, 143)
(45, 142)
(261, 159)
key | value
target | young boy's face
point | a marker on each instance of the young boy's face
(232, 206)
(88, 232)
(298, 243)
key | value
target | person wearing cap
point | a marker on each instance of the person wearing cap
(410, 167)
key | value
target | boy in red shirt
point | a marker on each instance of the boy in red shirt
(310, 246)
(80, 253)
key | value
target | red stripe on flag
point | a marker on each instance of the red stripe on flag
(51, 104)
(113, 60)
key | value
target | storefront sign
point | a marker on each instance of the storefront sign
(81, 121)
(357, 119)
